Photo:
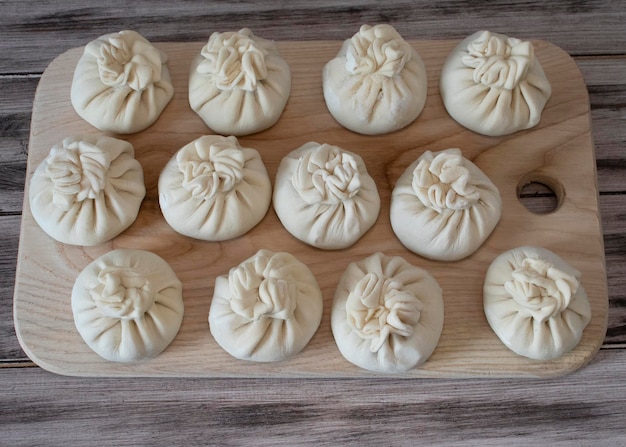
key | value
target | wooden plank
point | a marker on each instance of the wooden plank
(467, 347)
(583, 408)
(610, 70)
(614, 229)
(15, 111)
(606, 79)
(27, 25)
(9, 237)
(608, 104)
(16, 104)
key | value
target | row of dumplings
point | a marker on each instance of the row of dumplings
(89, 189)
(387, 315)
(377, 83)
(128, 304)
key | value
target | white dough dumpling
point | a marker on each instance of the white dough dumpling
(387, 314)
(239, 84)
(444, 207)
(324, 196)
(128, 305)
(87, 190)
(121, 83)
(266, 309)
(535, 303)
(494, 85)
(377, 82)
(213, 189)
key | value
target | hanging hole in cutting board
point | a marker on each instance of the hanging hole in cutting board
(540, 194)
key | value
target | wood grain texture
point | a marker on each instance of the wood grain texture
(605, 82)
(562, 141)
(39, 408)
(615, 248)
(16, 104)
(27, 25)
(602, 70)
(584, 408)
(9, 236)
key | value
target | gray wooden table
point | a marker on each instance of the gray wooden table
(583, 408)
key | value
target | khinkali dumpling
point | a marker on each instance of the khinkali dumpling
(535, 303)
(494, 85)
(213, 189)
(324, 196)
(443, 206)
(127, 305)
(239, 84)
(266, 309)
(121, 83)
(87, 190)
(387, 314)
(376, 83)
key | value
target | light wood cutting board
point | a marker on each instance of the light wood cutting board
(559, 152)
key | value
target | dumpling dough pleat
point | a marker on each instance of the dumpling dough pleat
(87, 190)
(494, 84)
(266, 309)
(121, 83)
(387, 314)
(443, 206)
(535, 303)
(377, 82)
(127, 305)
(213, 189)
(239, 84)
(324, 196)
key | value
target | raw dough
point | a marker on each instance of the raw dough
(535, 303)
(494, 85)
(213, 189)
(266, 309)
(127, 305)
(324, 196)
(387, 314)
(443, 206)
(239, 84)
(376, 83)
(121, 83)
(87, 190)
